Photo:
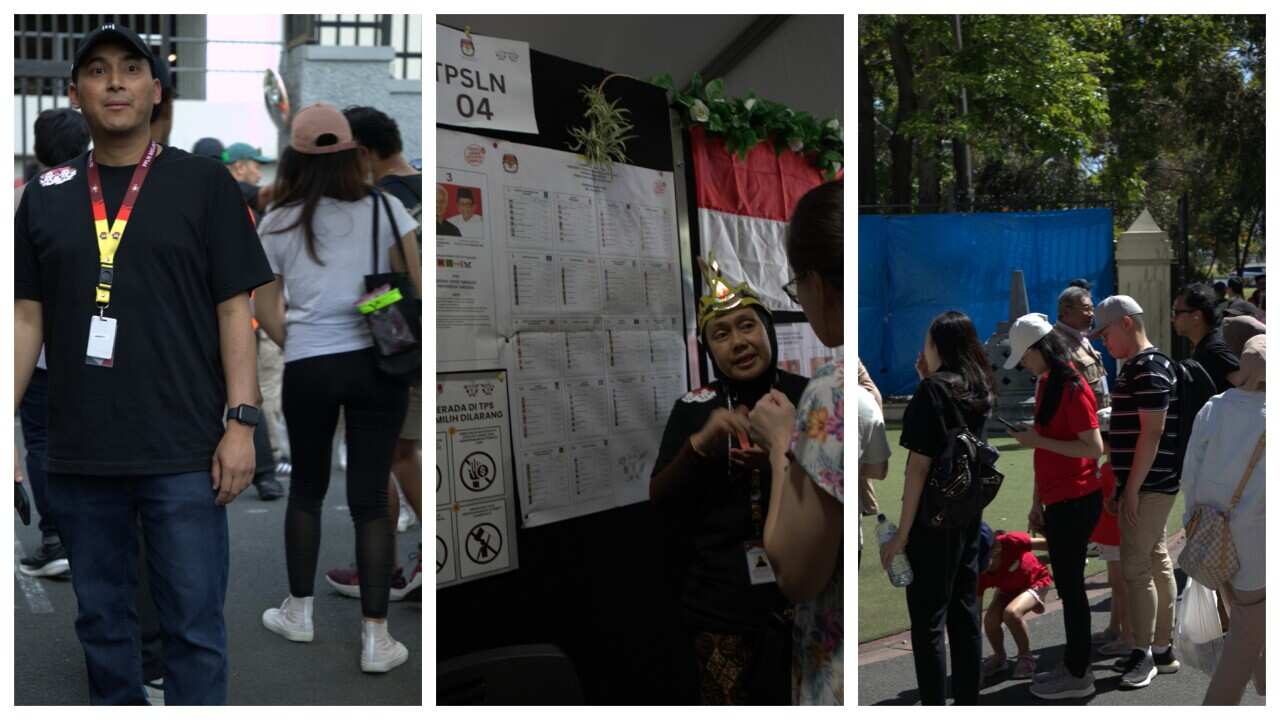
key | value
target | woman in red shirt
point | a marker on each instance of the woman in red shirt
(1067, 496)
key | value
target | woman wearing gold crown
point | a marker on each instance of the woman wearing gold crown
(712, 487)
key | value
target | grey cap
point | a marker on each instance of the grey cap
(1111, 310)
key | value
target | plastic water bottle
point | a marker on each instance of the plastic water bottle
(900, 574)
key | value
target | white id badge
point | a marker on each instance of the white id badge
(102, 341)
(758, 567)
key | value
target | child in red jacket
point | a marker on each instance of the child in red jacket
(1020, 581)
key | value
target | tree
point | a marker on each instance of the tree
(1126, 111)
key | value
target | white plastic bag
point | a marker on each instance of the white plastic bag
(1198, 632)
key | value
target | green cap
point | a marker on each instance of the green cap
(243, 151)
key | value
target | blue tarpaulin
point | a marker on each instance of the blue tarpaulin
(913, 267)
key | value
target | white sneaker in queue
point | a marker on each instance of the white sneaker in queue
(379, 652)
(292, 620)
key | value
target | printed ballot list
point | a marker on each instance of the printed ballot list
(567, 276)
(475, 512)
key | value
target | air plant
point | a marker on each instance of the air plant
(603, 142)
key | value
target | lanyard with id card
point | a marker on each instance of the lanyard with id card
(100, 351)
(759, 571)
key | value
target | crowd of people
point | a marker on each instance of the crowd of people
(749, 481)
(1110, 459)
(223, 342)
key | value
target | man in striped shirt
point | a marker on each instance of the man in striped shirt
(1144, 438)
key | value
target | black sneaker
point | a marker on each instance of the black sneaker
(1166, 663)
(1129, 662)
(50, 560)
(269, 488)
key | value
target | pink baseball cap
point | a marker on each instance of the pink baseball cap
(320, 129)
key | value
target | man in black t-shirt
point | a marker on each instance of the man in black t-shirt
(379, 138)
(146, 348)
(1144, 439)
(1196, 318)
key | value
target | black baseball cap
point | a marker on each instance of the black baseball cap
(208, 147)
(117, 32)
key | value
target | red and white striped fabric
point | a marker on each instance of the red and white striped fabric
(743, 208)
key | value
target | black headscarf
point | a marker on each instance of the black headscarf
(748, 392)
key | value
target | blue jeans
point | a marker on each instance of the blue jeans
(187, 551)
(34, 412)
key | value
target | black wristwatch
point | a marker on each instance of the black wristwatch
(245, 415)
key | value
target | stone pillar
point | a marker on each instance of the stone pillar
(1144, 260)
(343, 76)
(1016, 388)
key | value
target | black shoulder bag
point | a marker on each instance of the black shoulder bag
(393, 310)
(963, 478)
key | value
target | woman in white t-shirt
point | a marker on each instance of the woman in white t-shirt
(318, 239)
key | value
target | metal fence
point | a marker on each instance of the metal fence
(401, 32)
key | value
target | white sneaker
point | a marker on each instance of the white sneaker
(379, 652)
(407, 518)
(292, 619)
(154, 690)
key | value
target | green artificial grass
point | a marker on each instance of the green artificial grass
(882, 608)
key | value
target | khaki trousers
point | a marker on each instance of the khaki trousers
(270, 380)
(1148, 571)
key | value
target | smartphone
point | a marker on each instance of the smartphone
(1011, 426)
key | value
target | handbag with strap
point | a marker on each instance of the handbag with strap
(963, 479)
(393, 310)
(1210, 552)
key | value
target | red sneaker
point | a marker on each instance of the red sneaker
(346, 581)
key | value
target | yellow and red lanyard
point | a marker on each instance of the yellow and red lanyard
(109, 236)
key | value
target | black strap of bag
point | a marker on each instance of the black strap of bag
(394, 228)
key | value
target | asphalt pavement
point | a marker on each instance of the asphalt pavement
(265, 668)
(886, 673)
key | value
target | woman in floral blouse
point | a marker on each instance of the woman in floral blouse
(804, 531)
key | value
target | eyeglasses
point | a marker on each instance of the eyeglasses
(1177, 312)
(790, 288)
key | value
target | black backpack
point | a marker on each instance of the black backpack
(1194, 387)
(963, 478)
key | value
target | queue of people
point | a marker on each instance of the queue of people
(1109, 462)
(137, 444)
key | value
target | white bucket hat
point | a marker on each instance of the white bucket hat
(1025, 332)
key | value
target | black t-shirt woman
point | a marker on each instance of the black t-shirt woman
(711, 486)
(952, 369)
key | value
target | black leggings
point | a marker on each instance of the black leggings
(314, 389)
(1067, 527)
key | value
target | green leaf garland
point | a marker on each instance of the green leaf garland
(744, 123)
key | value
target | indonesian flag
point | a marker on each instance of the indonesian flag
(743, 209)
